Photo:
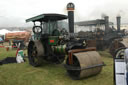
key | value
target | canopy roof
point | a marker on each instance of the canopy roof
(92, 22)
(47, 17)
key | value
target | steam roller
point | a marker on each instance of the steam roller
(54, 44)
(80, 63)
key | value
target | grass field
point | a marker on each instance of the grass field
(50, 74)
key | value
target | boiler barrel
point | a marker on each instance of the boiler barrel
(85, 64)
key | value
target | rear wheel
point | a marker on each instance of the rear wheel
(119, 53)
(35, 53)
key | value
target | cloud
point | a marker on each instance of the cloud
(14, 12)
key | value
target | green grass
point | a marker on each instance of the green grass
(50, 74)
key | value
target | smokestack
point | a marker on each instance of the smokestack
(70, 9)
(118, 18)
(106, 18)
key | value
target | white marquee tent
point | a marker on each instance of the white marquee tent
(4, 31)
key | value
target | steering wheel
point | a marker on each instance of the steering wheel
(37, 29)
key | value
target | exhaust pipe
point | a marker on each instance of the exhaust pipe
(118, 18)
(106, 18)
(70, 9)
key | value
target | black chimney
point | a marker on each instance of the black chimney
(118, 18)
(70, 8)
(106, 18)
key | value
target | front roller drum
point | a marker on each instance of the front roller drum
(84, 64)
(35, 53)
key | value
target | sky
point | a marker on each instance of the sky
(15, 12)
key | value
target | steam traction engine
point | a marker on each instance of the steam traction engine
(52, 44)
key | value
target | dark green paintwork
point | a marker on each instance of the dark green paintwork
(47, 17)
(55, 38)
(35, 18)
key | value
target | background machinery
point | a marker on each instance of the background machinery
(16, 38)
(54, 45)
(101, 32)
